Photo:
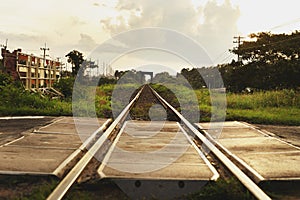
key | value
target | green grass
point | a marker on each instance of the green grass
(264, 107)
(16, 101)
(280, 116)
(269, 107)
(230, 189)
(264, 99)
(26, 187)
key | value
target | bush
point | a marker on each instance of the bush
(5, 79)
(65, 86)
(17, 101)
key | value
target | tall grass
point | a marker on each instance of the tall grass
(264, 99)
(270, 107)
(16, 101)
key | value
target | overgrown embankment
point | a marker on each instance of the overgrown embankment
(14, 100)
(263, 107)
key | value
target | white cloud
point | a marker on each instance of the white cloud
(219, 27)
(214, 33)
(86, 42)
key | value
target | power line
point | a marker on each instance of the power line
(272, 43)
(220, 56)
(286, 23)
(276, 27)
(227, 58)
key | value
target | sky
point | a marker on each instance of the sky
(85, 25)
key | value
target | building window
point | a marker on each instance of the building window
(22, 62)
(22, 74)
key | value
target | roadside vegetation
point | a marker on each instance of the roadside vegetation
(262, 107)
(265, 107)
(17, 101)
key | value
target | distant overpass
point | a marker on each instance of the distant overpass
(146, 73)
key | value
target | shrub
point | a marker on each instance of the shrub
(65, 86)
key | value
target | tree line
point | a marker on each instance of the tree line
(268, 62)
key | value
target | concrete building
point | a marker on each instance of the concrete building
(34, 72)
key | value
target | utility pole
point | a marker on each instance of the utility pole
(238, 41)
(44, 49)
(97, 67)
(103, 65)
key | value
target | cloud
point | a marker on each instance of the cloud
(24, 41)
(75, 21)
(86, 42)
(213, 25)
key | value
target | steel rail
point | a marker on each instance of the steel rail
(85, 145)
(62, 188)
(237, 172)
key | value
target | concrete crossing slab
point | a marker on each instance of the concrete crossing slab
(264, 154)
(14, 160)
(67, 125)
(275, 165)
(49, 141)
(44, 151)
(162, 153)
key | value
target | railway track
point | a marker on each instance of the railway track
(117, 136)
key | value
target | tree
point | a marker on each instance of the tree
(271, 61)
(5, 79)
(76, 59)
(194, 77)
(163, 77)
(65, 86)
(119, 74)
(270, 48)
(1, 65)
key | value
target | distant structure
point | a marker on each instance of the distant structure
(34, 72)
(147, 73)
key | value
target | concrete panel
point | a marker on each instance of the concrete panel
(257, 145)
(43, 152)
(67, 125)
(275, 165)
(267, 156)
(173, 171)
(50, 141)
(37, 160)
(162, 153)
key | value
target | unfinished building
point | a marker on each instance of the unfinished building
(34, 72)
